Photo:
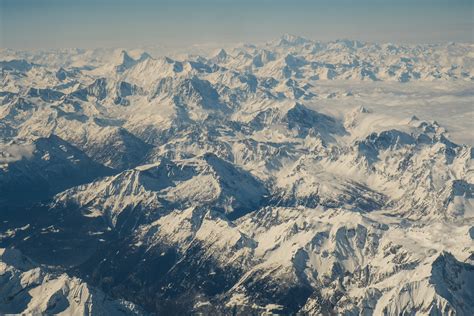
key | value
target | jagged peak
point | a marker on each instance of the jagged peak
(220, 55)
(289, 39)
(124, 57)
(144, 56)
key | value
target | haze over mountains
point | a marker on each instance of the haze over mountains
(288, 177)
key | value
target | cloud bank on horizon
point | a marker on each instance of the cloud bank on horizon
(27, 24)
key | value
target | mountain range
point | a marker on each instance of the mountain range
(257, 180)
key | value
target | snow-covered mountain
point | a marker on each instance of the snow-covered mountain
(30, 289)
(287, 177)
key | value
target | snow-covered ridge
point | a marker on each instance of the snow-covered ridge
(288, 57)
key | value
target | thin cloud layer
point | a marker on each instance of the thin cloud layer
(14, 152)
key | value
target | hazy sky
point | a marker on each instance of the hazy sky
(136, 23)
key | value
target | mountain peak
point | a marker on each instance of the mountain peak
(144, 56)
(124, 61)
(220, 56)
(124, 57)
(292, 40)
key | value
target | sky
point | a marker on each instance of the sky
(39, 24)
